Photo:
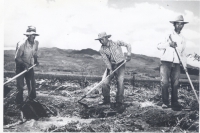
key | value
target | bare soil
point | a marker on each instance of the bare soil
(142, 110)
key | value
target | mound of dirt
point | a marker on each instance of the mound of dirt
(142, 112)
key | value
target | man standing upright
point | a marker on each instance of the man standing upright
(25, 57)
(113, 57)
(170, 63)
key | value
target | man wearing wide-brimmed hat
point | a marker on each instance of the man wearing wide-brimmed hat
(25, 57)
(113, 57)
(170, 63)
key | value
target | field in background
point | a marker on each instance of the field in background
(87, 62)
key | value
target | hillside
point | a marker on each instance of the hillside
(84, 62)
(86, 51)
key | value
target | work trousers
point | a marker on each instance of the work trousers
(119, 75)
(30, 81)
(169, 70)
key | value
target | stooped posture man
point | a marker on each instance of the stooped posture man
(113, 57)
(25, 57)
(170, 63)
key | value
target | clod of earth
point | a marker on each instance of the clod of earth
(142, 110)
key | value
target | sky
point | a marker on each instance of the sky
(74, 24)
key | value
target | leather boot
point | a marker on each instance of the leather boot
(106, 100)
(119, 107)
(176, 106)
(120, 99)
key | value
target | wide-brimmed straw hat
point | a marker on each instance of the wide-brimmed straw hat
(102, 35)
(179, 19)
(31, 31)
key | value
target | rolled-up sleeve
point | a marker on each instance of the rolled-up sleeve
(128, 46)
(106, 60)
(19, 51)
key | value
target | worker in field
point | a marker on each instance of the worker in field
(170, 63)
(25, 57)
(113, 57)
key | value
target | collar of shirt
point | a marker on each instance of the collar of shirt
(174, 32)
(29, 45)
(107, 46)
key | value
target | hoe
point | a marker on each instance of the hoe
(102, 81)
(185, 69)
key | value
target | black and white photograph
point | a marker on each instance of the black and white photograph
(100, 65)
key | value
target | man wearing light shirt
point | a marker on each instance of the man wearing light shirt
(170, 63)
(113, 57)
(25, 57)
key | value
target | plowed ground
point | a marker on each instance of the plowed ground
(142, 110)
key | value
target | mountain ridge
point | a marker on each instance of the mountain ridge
(83, 61)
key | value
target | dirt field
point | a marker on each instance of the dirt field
(142, 112)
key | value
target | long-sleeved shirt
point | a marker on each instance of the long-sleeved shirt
(169, 53)
(112, 54)
(26, 51)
